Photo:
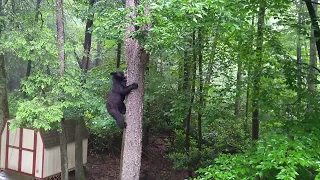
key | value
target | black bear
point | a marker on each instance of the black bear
(116, 96)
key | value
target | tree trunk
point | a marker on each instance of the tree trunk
(213, 55)
(237, 104)
(136, 60)
(201, 102)
(87, 42)
(64, 151)
(28, 69)
(246, 126)
(188, 117)
(63, 133)
(312, 77)
(299, 54)
(186, 71)
(257, 74)
(79, 172)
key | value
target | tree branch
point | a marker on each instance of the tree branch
(313, 2)
(310, 66)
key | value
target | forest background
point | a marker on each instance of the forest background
(232, 83)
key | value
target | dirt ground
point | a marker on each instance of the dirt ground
(154, 165)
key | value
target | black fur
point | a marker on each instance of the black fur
(116, 96)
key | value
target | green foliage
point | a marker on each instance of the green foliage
(276, 156)
(50, 99)
(104, 133)
(13, 100)
(158, 100)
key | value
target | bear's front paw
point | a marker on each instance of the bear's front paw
(134, 85)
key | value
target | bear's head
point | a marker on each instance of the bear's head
(118, 75)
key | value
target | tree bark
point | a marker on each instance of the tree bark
(63, 133)
(257, 74)
(64, 151)
(87, 42)
(299, 53)
(237, 103)
(136, 61)
(201, 101)
(210, 65)
(188, 116)
(312, 77)
(79, 173)
(246, 126)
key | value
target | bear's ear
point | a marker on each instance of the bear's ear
(113, 73)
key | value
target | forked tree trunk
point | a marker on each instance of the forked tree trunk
(63, 133)
(257, 74)
(136, 60)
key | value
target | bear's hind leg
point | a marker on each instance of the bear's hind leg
(118, 117)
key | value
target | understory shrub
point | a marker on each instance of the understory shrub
(276, 156)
